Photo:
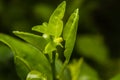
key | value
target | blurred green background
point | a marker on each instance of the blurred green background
(98, 40)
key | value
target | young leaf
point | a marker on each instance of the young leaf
(35, 75)
(55, 21)
(55, 24)
(55, 27)
(75, 69)
(69, 33)
(59, 11)
(28, 54)
(37, 41)
(51, 46)
(41, 28)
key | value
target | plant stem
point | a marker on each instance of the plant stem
(63, 68)
(53, 65)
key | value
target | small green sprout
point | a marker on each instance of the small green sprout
(36, 58)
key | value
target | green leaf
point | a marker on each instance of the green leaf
(59, 11)
(37, 41)
(69, 33)
(55, 21)
(117, 77)
(41, 28)
(24, 69)
(35, 75)
(75, 68)
(93, 47)
(55, 25)
(82, 71)
(5, 53)
(28, 54)
(51, 46)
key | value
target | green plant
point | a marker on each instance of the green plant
(38, 57)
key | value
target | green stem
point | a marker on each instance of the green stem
(53, 65)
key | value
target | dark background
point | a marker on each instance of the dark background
(97, 41)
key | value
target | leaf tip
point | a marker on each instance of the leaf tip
(63, 3)
(15, 31)
(35, 28)
(76, 11)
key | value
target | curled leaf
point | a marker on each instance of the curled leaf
(35, 75)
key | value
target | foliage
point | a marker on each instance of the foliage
(30, 57)
(46, 52)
